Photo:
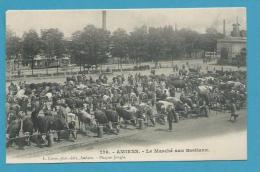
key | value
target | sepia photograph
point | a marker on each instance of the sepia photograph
(122, 85)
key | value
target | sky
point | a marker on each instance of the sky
(69, 21)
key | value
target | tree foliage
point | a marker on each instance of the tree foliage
(91, 45)
(31, 45)
(13, 45)
(154, 44)
(52, 42)
(138, 44)
(119, 43)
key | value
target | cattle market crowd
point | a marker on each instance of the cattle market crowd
(108, 104)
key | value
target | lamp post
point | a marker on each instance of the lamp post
(32, 64)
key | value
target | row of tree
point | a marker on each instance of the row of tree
(94, 45)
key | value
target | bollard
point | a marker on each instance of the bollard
(141, 123)
(118, 128)
(27, 138)
(100, 131)
(74, 134)
(50, 139)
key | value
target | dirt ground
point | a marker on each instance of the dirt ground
(202, 131)
(185, 130)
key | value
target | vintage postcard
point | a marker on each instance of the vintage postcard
(126, 85)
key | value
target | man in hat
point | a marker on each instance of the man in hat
(233, 111)
(95, 102)
(61, 112)
(204, 107)
(149, 112)
(170, 116)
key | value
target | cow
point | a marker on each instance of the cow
(186, 100)
(146, 111)
(204, 92)
(44, 125)
(161, 107)
(180, 107)
(16, 126)
(128, 114)
(113, 117)
(85, 118)
(107, 118)
(183, 72)
(101, 117)
(178, 83)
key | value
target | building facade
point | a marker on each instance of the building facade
(230, 47)
(233, 45)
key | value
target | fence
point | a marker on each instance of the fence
(20, 69)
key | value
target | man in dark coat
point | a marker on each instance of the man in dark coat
(233, 112)
(170, 116)
(172, 92)
(204, 107)
(95, 102)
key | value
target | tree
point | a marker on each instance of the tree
(76, 47)
(191, 39)
(90, 46)
(172, 42)
(119, 42)
(13, 45)
(31, 46)
(208, 41)
(211, 31)
(138, 44)
(52, 42)
(154, 44)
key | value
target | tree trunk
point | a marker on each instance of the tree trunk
(118, 64)
(121, 64)
(80, 64)
(172, 61)
(46, 65)
(57, 66)
(32, 65)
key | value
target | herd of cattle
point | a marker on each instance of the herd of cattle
(34, 111)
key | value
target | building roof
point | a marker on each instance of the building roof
(233, 40)
(38, 57)
(66, 58)
(41, 57)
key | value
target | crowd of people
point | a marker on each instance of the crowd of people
(122, 99)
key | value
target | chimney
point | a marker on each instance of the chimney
(224, 27)
(235, 32)
(104, 13)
